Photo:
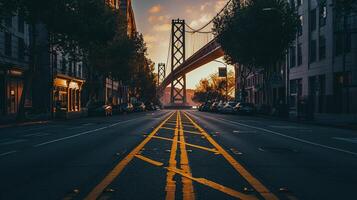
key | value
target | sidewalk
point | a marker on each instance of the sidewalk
(10, 121)
(346, 121)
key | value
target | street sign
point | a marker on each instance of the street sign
(222, 72)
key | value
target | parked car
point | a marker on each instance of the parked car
(244, 108)
(150, 106)
(220, 106)
(229, 107)
(139, 107)
(127, 107)
(214, 107)
(99, 108)
(117, 109)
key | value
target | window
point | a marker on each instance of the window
(8, 21)
(299, 2)
(322, 14)
(20, 24)
(312, 51)
(8, 44)
(299, 56)
(300, 25)
(55, 60)
(21, 49)
(64, 65)
(313, 20)
(341, 45)
(322, 47)
(292, 57)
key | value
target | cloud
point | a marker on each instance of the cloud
(150, 38)
(204, 6)
(205, 18)
(156, 19)
(162, 27)
(155, 9)
(219, 5)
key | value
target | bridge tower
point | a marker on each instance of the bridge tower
(178, 86)
(161, 73)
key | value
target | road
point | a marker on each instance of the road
(172, 154)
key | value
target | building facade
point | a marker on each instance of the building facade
(14, 40)
(68, 80)
(115, 92)
(322, 63)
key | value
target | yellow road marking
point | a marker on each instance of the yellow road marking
(255, 183)
(193, 132)
(98, 190)
(146, 159)
(167, 128)
(188, 191)
(188, 144)
(214, 185)
(187, 125)
(170, 182)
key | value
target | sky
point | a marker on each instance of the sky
(153, 20)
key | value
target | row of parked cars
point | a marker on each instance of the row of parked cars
(230, 107)
(98, 108)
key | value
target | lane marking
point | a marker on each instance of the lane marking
(188, 191)
(98, 190)
(12, 142)
(351, 140)
(170, 187)
(188, 144)
(83, 133)
(146, 159)
(8, 153)
(214, 185)
(293, 138)
(254, 182)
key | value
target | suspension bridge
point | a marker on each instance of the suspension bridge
(199, 46)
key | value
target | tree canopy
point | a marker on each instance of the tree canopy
(214, 88)
(257, 33)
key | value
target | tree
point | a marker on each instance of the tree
(75, 27)
(214, 88)
(257, 34)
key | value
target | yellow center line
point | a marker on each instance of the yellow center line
(98, 189)
(146, 159)
(170, 182)
(214, 185)
(188, 144)
(188, 191)
(254, 182)
(193, 132)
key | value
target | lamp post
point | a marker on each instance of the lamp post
(226, 76)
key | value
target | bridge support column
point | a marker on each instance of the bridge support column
(161, 73)
(178, 86)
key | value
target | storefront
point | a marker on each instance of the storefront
(67, 94)
(11, 86)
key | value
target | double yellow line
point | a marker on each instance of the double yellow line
(188, 191)
(98, 189)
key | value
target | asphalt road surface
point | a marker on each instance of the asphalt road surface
(177, 155)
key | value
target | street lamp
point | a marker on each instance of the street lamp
(226, 76)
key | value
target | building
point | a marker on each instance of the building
(14, 40)
(68, 81)
(115, 92)
(322, 63)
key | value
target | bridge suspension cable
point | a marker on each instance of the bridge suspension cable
(192, 30)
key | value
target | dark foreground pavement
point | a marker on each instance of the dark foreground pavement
(182, 155)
